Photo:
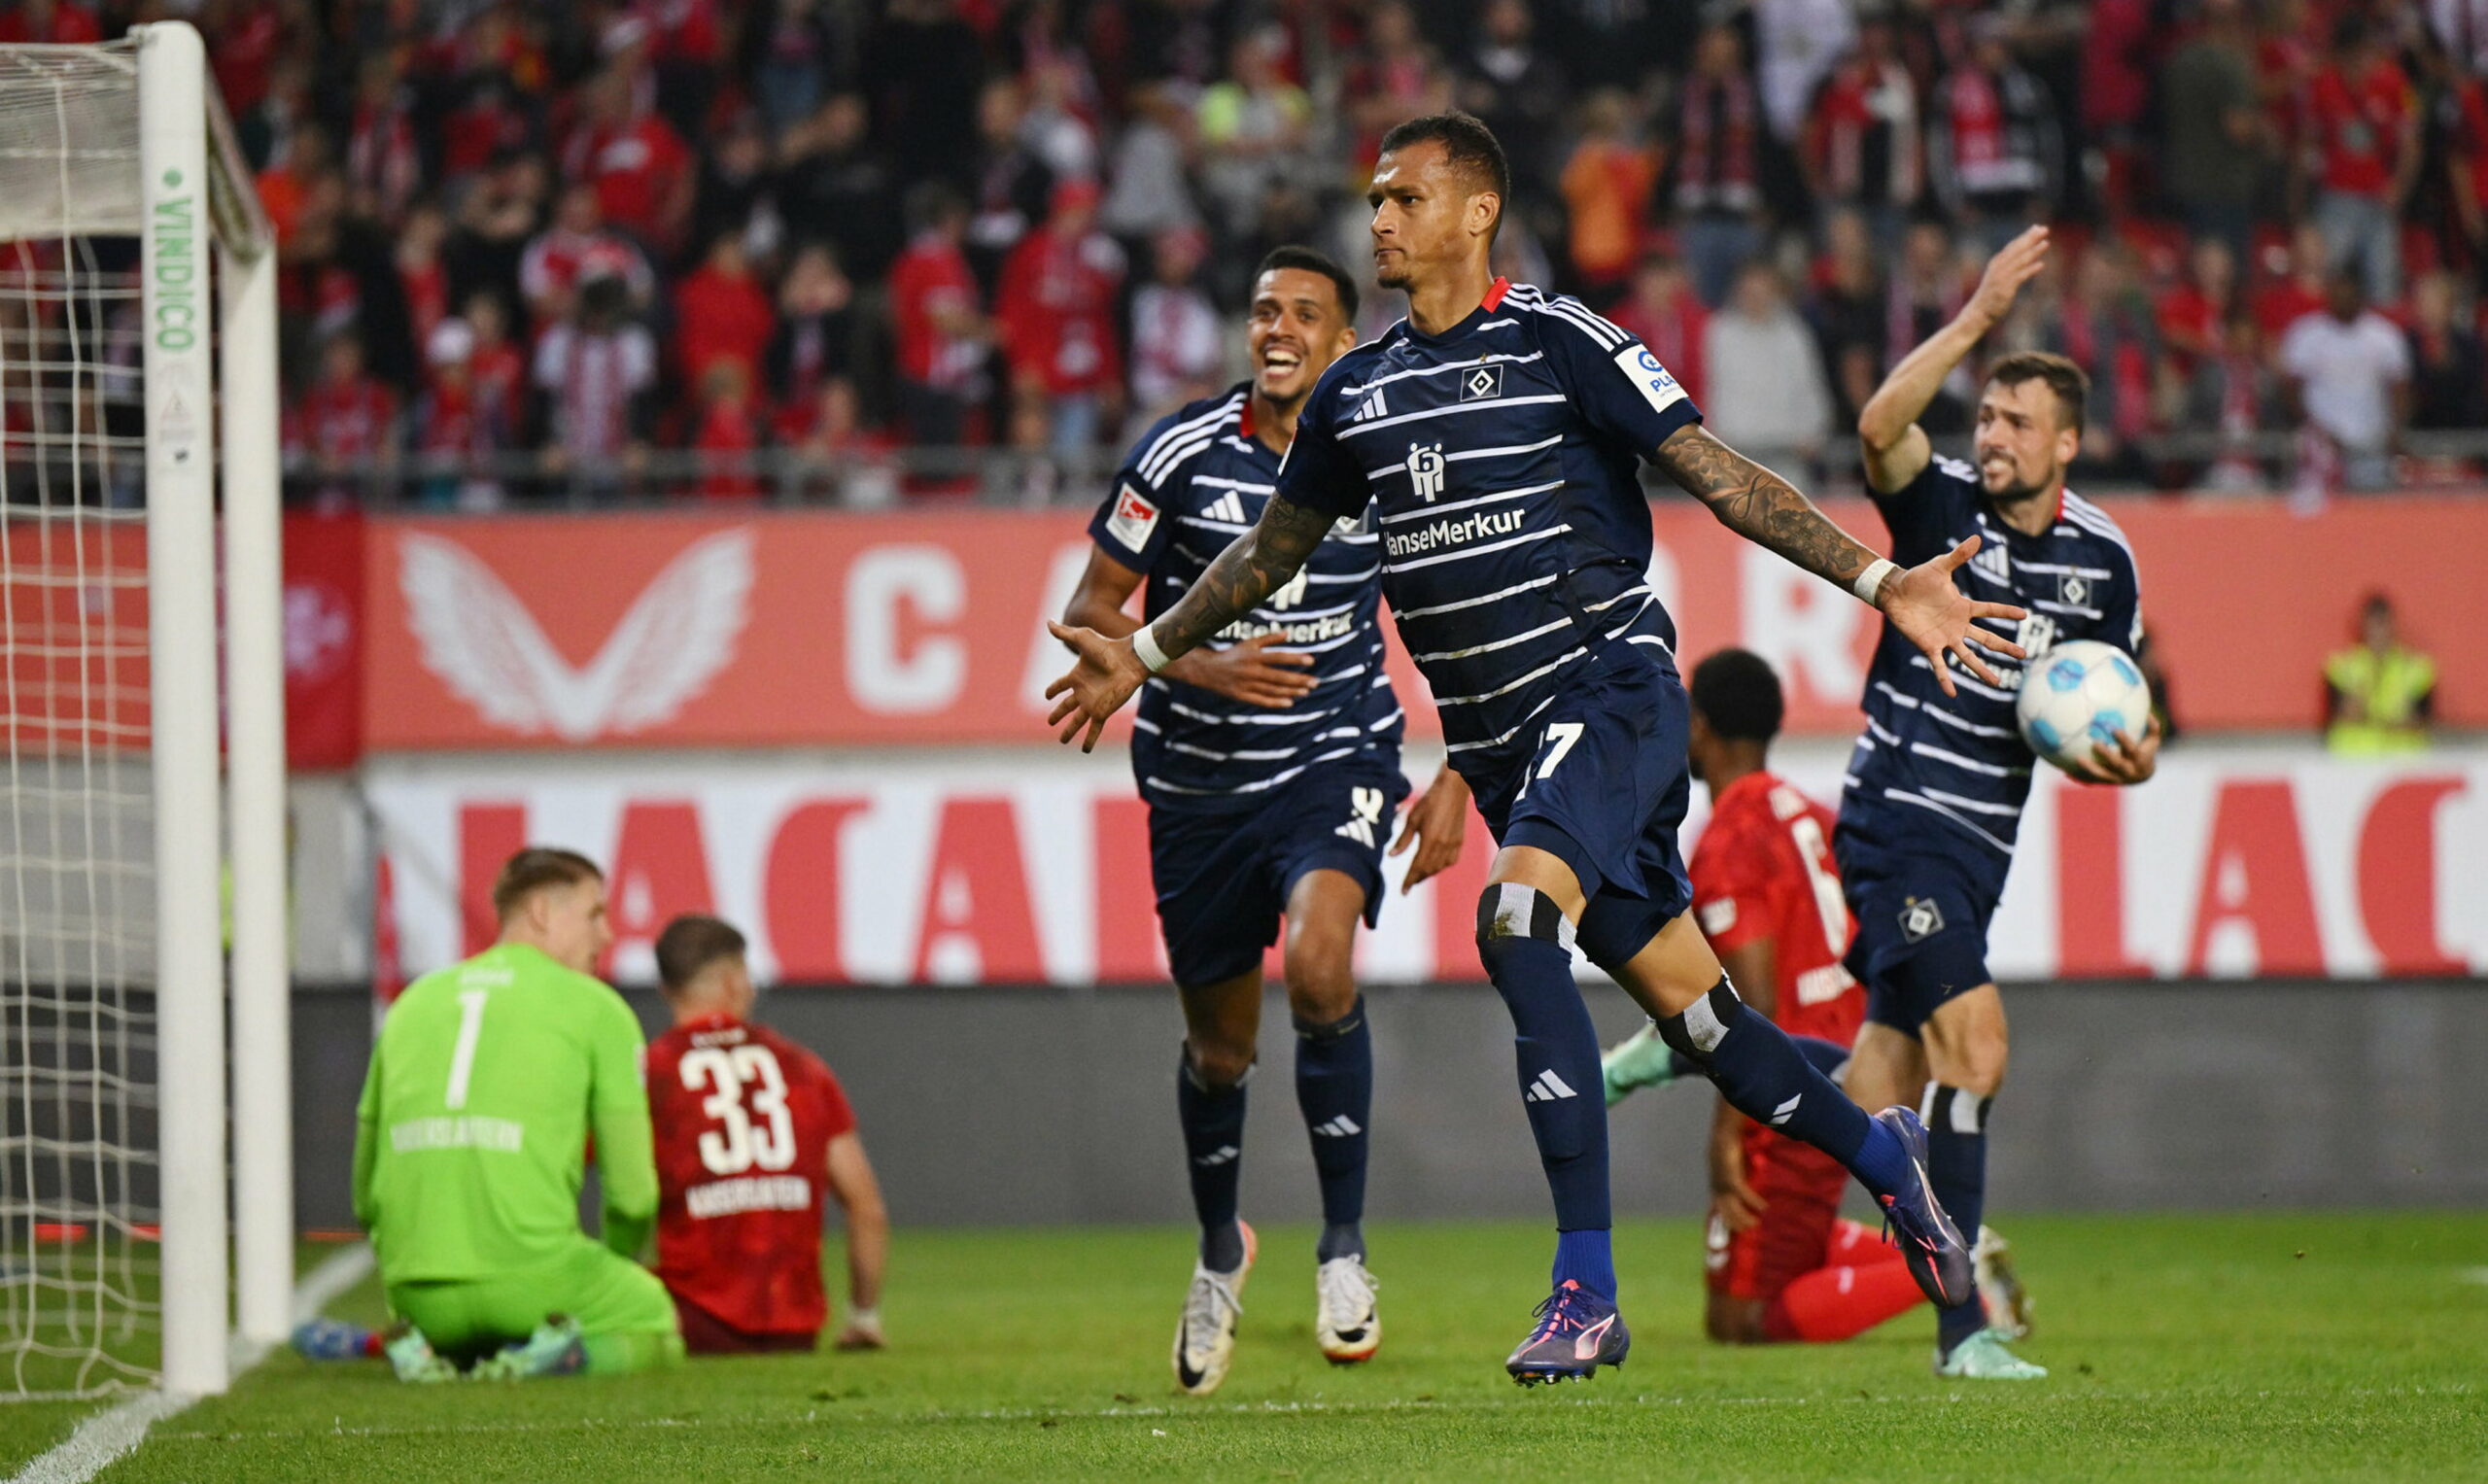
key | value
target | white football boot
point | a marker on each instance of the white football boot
(1344, 1317)
(1205, 1337)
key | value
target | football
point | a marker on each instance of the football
(2077, 696)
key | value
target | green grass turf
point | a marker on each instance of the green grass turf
(2278, 1346)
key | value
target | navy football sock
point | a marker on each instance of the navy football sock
(1334, 1088)
(1588, 1259)
(1956, 1167)
(1824, 1056)
(1764, 1075)
(1527, 947)
(1213, 1119)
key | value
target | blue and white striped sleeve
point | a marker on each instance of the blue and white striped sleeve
(1612, 378)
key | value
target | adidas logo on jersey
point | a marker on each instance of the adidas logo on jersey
(1371, 408)
(1341, 1128)
(1994, 561)
(1360, 826)
(1227, 507)
(1290, 593)
(1547, 1087)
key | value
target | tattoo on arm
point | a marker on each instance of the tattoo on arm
(1759, 506)
(1253, 566)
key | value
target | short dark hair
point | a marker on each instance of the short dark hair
(1466, 143)
(690, 944)
(1737, 693)
(2066, 379)
(1308, 260)
(533, 869)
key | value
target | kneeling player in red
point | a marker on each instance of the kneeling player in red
(1782, 1263)
(750, 1129)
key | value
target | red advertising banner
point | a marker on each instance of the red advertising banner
(2240, 859)
(73, 632)
(323, 638)
(777, 629)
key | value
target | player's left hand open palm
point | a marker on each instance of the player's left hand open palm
(1097, 687)
(1936, 616)
(1437, 825)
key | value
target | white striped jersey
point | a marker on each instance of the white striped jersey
(1193, 484)
(1501, 458)
(1939, 766)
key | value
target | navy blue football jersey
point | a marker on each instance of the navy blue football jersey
(1501, 459)
(1193, 483)
(1932, 767)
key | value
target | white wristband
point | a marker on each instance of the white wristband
(1871, 581)
(1154, 659)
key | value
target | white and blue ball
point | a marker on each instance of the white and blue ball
(2077, 697)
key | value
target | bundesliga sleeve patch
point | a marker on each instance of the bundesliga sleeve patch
(1134, 518)
(1652, 380)
(1719, 916)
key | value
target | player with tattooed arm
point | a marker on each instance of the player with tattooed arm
(1495, 433)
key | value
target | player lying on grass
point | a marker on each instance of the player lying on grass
(1779, 1261)
(751, 1129)
(487, 1081)
(1496, 430)
(1269, 758)
(1938, 781)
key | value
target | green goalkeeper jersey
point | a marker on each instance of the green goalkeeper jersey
(471, 1138)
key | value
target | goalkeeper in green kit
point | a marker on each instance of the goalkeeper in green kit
(487, 1082)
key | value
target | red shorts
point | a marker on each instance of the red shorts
(1801, 1188)
(703, 1333)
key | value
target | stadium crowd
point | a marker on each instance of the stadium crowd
(622, 247)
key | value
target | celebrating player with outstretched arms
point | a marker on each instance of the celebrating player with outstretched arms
(1495, 431)
(1938, 781)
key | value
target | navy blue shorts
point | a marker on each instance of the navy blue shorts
(1922, 925)
(1223, 872)
(1603, 785)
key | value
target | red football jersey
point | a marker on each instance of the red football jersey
(743, 1121)
(1764, 869)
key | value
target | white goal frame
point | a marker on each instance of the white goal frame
(208, 322)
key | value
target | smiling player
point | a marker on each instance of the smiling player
(1272, 774)
(1495, 431)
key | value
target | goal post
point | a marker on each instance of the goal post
(142, 813)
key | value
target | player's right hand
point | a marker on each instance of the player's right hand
(1097, 687)
(1252, 672)
(2018, 262)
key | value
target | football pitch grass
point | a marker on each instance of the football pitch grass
(2297, 1347)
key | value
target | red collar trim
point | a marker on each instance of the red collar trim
(1244, 418)
(1495, 294)
(714, 1021)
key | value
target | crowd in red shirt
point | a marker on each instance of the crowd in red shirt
(842, 229)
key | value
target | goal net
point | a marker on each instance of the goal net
(136, 389)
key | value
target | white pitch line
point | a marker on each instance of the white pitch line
(2478, 1275)
(111, 1433)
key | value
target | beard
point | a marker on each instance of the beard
(2016, 489)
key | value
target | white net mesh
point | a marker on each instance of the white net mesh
(78, 1179)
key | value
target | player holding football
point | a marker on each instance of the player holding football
(486, 1083)
(752, 1130)
(1937, 783)
(1781, 1261)
(1496, 430)
(1272, 774)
